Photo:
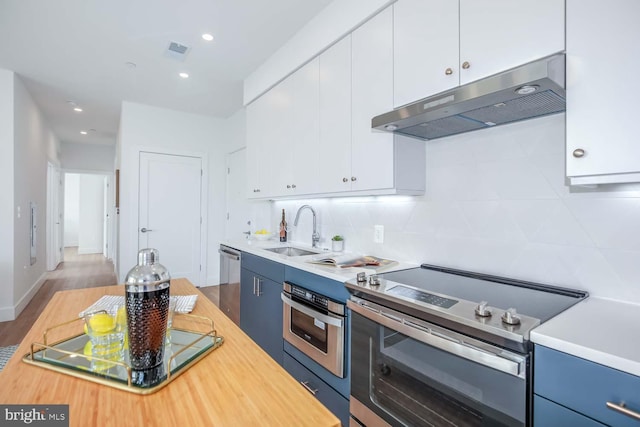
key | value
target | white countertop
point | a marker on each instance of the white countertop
(601, 330)
(257, 247)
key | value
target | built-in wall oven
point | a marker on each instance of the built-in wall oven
(427, 348)
(315, 325)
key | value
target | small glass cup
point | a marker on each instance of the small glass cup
(106, 330)
(173, 301)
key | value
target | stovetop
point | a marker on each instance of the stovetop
(453, 298)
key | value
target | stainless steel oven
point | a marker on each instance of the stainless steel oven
(315, 325)
(406, 371)
(435, 346)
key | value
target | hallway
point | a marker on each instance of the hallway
(76, 272)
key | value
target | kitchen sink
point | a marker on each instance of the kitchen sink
(291, 251)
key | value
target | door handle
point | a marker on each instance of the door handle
(145, 230)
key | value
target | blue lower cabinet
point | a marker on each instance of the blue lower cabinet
(549, 414)
(260, 303)
(584, 387)
(330, 398)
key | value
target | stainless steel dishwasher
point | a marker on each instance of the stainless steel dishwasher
(230, 282)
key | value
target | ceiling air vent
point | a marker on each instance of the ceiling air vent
(177, 51)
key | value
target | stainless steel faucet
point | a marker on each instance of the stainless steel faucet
(315, 237)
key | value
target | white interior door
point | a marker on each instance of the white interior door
(170, 211)
(238, 211)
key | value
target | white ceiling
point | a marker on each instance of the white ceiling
(77, 50)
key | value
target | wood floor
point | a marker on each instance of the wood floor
(76, 272)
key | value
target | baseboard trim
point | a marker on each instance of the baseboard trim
(26, 298)
(7, 314)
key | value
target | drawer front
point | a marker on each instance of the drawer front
(264, 267)
(330, 398)
(585, 386)
(549, 414)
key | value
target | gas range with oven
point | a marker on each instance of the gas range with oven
(434, 346)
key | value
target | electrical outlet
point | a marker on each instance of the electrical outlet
(378, 233)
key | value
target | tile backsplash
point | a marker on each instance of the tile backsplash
(497, 202)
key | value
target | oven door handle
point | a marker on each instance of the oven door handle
(312, 313)
(441, 341)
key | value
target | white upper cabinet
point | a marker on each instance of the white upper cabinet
(371, 94)
(602, 64)
(260, 136)
(496, 35)
(282, 137)
(334, 154)
(425, 46)
(296, 153)
(440, 44)
(314, 128)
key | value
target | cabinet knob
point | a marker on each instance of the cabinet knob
(466, 65)
(288, 186)
(353, 178)
(293, 186)
(448, 71)
(345, 180)
(578, 152)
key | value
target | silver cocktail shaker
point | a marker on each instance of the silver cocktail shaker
(147, 305)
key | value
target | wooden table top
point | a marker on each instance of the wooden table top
(237, 384)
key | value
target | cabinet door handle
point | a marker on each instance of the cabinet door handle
(353, 178)
(578, 152)
(345, 180)
(466, 65)
(258, 287)
(623, 410)
(293, 186)
(448, 71)
(306, 385)
(254, 285)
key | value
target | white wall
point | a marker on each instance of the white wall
(71, 209)
(6, 207)
(84, 212)
(496, 202)
(87, 157)
(91, 214)
(143, 126)
(27, 143)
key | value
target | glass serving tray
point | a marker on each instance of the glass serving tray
(67, 356)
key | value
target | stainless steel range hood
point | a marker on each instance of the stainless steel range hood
(531, 90)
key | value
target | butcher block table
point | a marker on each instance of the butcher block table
(237, 384)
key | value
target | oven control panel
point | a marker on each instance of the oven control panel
(421, 296)
(312, 297)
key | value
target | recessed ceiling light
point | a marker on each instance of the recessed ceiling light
(184, 75)
(84, 132)
(77, 109)
(207, 37)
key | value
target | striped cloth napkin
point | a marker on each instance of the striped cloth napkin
(185, 303)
